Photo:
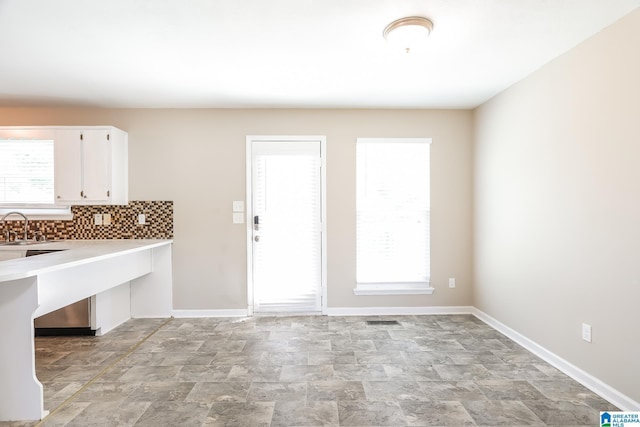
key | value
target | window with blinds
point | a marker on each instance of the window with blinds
(26, 172)
(392, 215)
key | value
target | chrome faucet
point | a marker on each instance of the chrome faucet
(26, 224)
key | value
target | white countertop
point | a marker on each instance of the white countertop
(74, 252)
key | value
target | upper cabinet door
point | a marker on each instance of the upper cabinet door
(96, 165)
(67, 154)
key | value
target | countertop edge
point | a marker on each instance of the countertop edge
(74, 253)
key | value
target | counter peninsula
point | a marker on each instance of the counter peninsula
(127, 278)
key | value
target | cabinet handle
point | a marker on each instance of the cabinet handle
(82, 194)
(108, 193)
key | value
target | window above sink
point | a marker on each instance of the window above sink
(27, 177)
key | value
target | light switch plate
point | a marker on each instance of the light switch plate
(238, 218)
(238, 206)
(106, 219)
(586, 332)
(141, 219)
(97, 219)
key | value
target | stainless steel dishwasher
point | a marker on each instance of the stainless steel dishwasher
(73, 319)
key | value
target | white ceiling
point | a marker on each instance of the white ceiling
(280, 53)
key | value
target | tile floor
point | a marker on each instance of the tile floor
(305, 371)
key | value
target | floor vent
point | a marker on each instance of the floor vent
(383, 322)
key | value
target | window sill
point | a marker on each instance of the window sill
(393, 289)
(43, 214)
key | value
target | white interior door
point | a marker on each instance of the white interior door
(286, 225)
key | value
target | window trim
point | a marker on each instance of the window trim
(395, 288)
(43, 213)
(413, 288)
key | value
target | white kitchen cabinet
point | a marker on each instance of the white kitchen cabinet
(91, 166)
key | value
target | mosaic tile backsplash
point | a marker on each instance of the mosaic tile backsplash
(124, 223)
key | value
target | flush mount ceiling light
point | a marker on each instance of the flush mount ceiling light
(408, 33)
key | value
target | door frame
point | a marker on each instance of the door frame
(249, 210)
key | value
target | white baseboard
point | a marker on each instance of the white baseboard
(381, 311)
(210, 313)
(336, 311)
(607, 392)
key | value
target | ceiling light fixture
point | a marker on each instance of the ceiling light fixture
(409, 32)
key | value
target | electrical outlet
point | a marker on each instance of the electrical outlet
(141, 219)
(452, 282)
(97, 219)
(586, 332)
(106, 219)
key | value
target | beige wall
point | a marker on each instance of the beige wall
(197, 159)
(557, 206)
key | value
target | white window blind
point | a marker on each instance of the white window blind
(392, 214)
(26, 172)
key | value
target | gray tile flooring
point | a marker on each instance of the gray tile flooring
(305, 371)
